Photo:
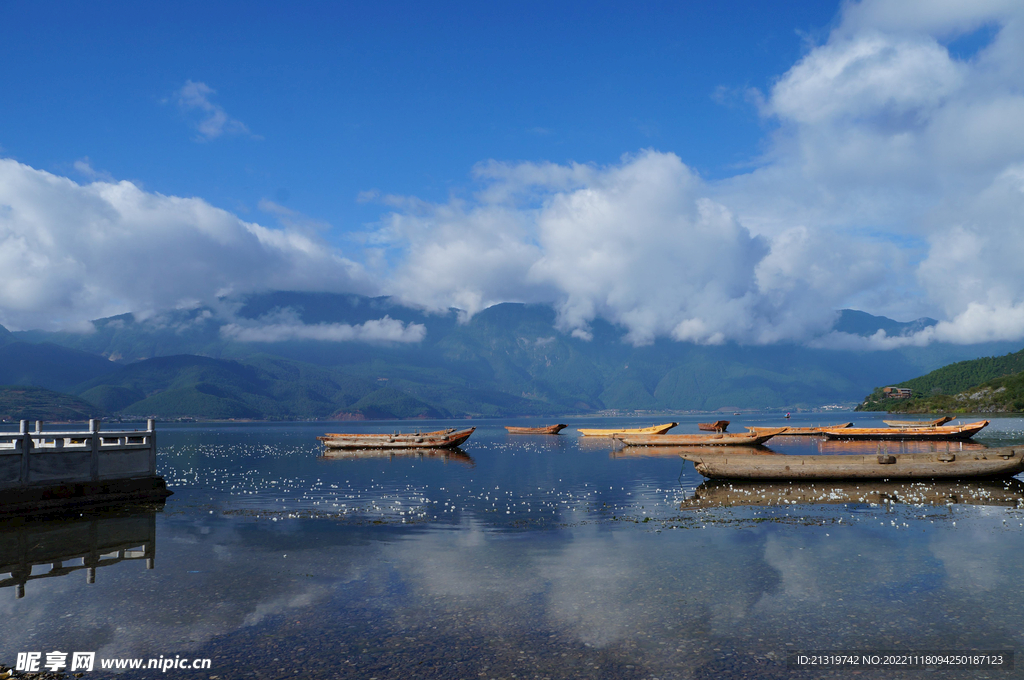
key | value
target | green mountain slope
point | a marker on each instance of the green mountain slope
(196, 386)
(49, 365)
(18, 402)
(985, 385)
(265, 387)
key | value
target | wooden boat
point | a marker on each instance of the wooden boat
(456, 455)
(1000, 462)
(965, 431)
(717, 426)
(653, 429)
(918, 423)
(738, 439)
(547, 429)
(439, 439)
(802, 431)
(718, 493)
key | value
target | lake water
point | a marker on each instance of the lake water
(524, 557)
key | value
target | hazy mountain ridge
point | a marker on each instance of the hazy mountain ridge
(508, 359)
(861, 323)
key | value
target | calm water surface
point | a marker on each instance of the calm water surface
(522, 556)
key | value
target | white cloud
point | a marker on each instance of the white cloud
(214, 121)
(72, 252)
(375, 330)
(83, 166)
(945, 18)
(638, 243)
(888, 143)
(868, 76)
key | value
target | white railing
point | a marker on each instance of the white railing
(34, 457)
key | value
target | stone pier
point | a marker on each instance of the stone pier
(48, 471)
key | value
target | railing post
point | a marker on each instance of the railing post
(26, 451)
(94, 461)
(151, 433)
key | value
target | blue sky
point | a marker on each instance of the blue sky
(404, 98)
(705, 171)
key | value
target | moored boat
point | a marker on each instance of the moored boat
(547, 429)
(918, 423)
(439, 439)
(944, 464)
(738, 439)
(717, 426)
(802, 431)
(965, 431)
(608, 432)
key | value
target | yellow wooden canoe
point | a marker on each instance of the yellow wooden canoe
(653, 429)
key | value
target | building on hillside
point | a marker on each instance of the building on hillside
(897, 392)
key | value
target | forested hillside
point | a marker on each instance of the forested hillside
(985, 385)
(35, 403)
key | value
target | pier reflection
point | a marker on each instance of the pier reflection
(455, 455)
(725, 494)
(38, 548)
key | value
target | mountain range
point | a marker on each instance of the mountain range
(320, 355)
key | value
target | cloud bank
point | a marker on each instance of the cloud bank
(385, 329)
(72, 252)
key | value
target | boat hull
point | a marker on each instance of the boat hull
(654, 429)
(549, 429)
(943, 465)
(916, 433)
(441, 439)
(746, 439)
